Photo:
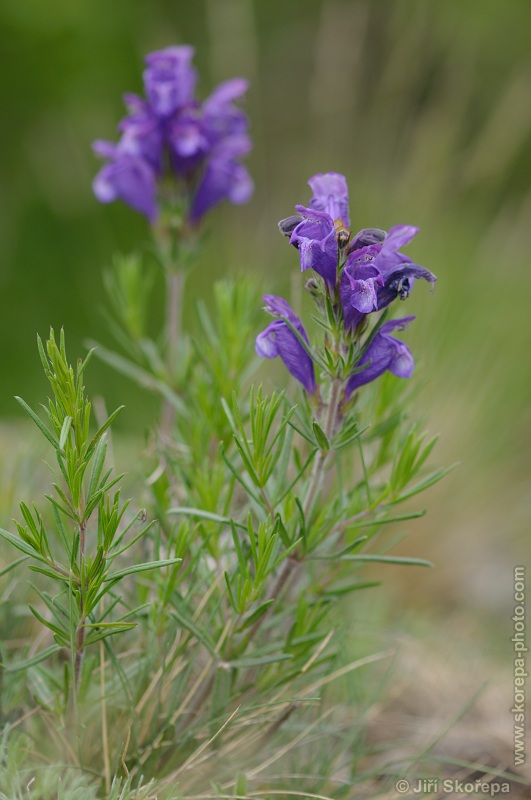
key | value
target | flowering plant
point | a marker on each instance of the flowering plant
(257, 514)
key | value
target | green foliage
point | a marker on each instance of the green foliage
(266, 511)
(78, 556)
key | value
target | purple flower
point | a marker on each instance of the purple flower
(278, 339)
(126, 177)
(371, 270)
(172, 133)
(224, 178)
(376, 273)
(330, 194)
(313, 229)
(384, 353)
(316, 239)
(169, 79)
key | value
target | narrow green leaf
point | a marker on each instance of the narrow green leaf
(340, 443)
(61, 508)
(238, 477)
(367, 523)
(194, 630)
(11, 566)
(303, 520)
(241, 786)
(142, 377)
(255, 615)
(53, 604)
(320, 437)
(109, 625)
(435, 477)
(134, 568)
(42, 354)
(298, 476)
(280, 528)
(39, 423)
(286, 553)
(49, 572)
(419, 562)
(59, 631)
(220, 697)
(304, 434)
(242, 561)
(349, 587)
(247, 462)
(259, 661)
(99, 433)
(353, 545)
(20, 545)
(28, 518)
(232, 599)
(82, 365)
(98, 635)
(67, 544)
(21, 666)
(228, 414)
(65, 430)
(97, 466)
(113, 553)
(198, 512)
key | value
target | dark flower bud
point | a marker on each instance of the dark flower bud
(288, 225)
(312, 287)
(366, 237)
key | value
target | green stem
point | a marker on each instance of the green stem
(175, 286)
(174, 296)
(292, 563)
(323, 456)
(79, 638)
(80, 651)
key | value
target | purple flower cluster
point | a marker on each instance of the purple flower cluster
(171, 133)
(362, 273)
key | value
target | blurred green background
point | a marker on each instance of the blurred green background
(424, 106)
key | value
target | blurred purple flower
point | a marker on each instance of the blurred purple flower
(126, 177)
(173, 133)
(278, 339)
(169, 79)
(384, 353)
